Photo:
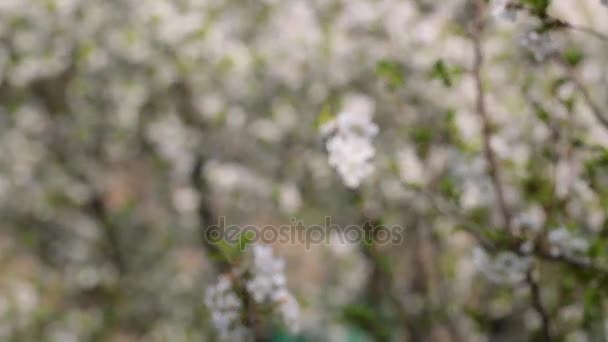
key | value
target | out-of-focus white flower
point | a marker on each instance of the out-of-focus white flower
(294, 23)
(539, 44)
(530, 221)
(350, 147)
(411, 169)
(225, 307)
(350, 155)
(475, 194)
(339, 243)
(267, 130)
(269, 286)
(357, 123)
(289, 311)
(504, 9)
(564, 242)
(526, 247)
(290, 199)
(264, 282)
(185, 199)
(502, 268)
(231, 177)
(170, 135)
(267, 272)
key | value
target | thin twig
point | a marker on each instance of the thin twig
(588, 30)
(538, 306)
(469, 227)
(554, 22)
(490, 156)
(595, 109)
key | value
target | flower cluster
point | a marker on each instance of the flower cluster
(503, 268)
(264, 281)
(268, 285)
(225, 307)
(350, 145)
(564, 242)
(504, 9)
(539, 44)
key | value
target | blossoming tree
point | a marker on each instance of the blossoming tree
(343, 170)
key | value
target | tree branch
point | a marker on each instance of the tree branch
(575, 78)
(481, 108)
(538, 306)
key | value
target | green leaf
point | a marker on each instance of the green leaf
(539, 7)
(445, 73)
(391, 72)
(574, 56)
(448, 188)
(325, 116)
(541, 113)
(423, 138)
(367, 319)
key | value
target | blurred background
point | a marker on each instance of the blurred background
(127, 127)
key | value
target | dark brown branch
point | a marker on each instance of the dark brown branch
(538, 306)
(481, 108)
(97, 209)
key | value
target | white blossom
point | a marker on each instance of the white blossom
(411, 168)
(350, 156)
(504, 9)
(225, 307)
(269, 286)
(503, 268)
(264, 281)
(350, 147)
(290, 199)
(290, 311)
(531, 220)
(539, 44)
(564, 242)
(526, 247)
(267, 273)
